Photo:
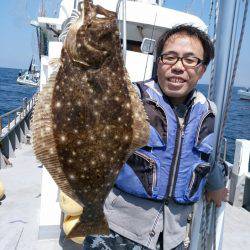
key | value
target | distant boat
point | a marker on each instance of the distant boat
(31, 76)
(244, 94)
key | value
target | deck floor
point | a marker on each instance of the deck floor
(236, 229)
(20, 209)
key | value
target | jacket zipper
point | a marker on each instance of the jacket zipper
(176, 160)
(178, 146)
(152, 166)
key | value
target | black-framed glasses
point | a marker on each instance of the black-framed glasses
(187, 61)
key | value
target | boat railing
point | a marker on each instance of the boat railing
(14, 129)
(204, 231)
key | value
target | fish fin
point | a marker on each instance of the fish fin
(43, 137)
(89, 226)
(67, 24)
(140, 125)
(55, 63)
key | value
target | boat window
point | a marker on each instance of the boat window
(133, 45)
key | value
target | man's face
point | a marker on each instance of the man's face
(177, 81)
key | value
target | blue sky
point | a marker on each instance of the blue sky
(18, 37)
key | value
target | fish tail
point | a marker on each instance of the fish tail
(90, 225)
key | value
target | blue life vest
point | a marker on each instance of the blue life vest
(174, 163)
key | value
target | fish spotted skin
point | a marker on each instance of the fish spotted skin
(97, 118)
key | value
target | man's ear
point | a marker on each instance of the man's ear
(202, 70)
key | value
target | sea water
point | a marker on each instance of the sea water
(237, 126)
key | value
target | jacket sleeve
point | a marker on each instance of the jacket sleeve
(215, 179)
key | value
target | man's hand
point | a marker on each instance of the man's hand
(217, 196)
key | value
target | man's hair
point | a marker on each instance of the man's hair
(192, 31)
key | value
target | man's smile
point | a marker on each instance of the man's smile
(175, 79)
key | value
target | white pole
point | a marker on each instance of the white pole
(196, 224)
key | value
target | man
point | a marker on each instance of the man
(154, 192)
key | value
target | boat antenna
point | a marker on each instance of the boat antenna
(42, 12)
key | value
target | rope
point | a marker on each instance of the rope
(211, 85)
(227, 102)
(224, 94)
(210, 13)
(118, 6)
(203, 230)
(215, 228)
(236, 25)
(230, 88)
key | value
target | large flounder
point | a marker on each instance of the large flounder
(89, 119)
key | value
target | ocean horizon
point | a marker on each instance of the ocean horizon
(237, 125)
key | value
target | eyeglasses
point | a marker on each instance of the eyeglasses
(188, 62)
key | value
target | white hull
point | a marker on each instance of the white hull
(245, 95)
(31, 79)
(27, 82)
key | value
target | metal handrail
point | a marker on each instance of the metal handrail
(20, 111)
(11, 112)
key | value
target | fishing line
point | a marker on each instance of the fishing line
(189, 6)
(210, 13)
(212, 72)
(55, 12)
(118, 6)
(235, 37)
(202, 7)
(235, 67)
(28, 17)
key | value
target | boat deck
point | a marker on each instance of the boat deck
(20, 210)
